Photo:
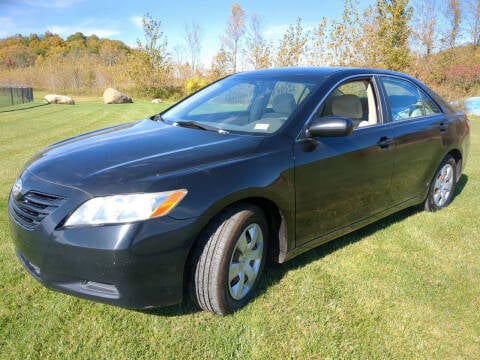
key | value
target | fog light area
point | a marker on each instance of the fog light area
(94, 286)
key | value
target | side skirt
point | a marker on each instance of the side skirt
(285, 256)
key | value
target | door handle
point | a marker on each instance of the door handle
(442, 127)
(384, 142)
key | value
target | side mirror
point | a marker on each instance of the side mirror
(330, 126)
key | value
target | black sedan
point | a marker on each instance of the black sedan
(265, 163)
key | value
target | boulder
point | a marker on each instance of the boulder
(156, 101)
(112, 96)
(59, 99)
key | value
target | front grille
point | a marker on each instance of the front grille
(32, 207)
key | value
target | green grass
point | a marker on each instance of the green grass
(405, 287)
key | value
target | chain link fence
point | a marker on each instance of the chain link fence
(13, 95)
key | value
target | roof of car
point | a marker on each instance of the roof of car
(318, 71)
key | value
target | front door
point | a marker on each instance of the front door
(342, 180)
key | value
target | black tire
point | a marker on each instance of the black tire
(218, 251)
(443, 185)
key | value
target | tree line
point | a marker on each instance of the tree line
(436, 41)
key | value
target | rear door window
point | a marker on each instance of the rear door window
(406, 100)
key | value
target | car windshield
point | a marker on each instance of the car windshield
(242, 105)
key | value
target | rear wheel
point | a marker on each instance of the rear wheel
(228, 259)
(443, 184)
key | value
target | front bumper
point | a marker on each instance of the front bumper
(136, 265)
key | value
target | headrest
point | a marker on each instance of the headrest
(347, 106)
(284, 103)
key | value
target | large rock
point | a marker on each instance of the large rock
(112, 96)
(59, 99)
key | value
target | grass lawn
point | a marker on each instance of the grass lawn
(405, 287)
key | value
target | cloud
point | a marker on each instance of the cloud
(137, 21)
(275, 31)
(8, 26)
(69, 30)
(106, 33)
(59, 4)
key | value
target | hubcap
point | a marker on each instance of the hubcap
(245, 262)
(443, 185)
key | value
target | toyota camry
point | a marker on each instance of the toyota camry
(263, 163)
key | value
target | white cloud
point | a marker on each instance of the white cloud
(60, 30)
(137, 21)
(275, 32)
(69, 30)
(59, 4)
(7, 27)
(106, 33)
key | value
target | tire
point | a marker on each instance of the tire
(443, 185)
(228, 260)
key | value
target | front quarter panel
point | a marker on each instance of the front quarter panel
(267, 173)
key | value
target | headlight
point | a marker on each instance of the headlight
(125, 208)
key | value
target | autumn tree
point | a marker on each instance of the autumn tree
(192, 38)
(317, 52)
(78, 36)
(220, 65)
(233, 34)
(92, 43)
(368, 45)
(150, 64)
(16, 56)
(78, 64)
(112, 52)
(392, 18)
(425, 30)
(52, 44)
(292, 45)
(76, 45)
(473, 20)
(453, 17)
(344, 36)
(257, 52)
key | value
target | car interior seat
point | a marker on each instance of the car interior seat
(347, 105)
(283, 105)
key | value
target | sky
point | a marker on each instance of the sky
(121, 20)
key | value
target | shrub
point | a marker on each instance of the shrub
(195, 83)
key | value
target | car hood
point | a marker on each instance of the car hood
(133, 153)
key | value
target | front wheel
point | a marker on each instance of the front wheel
(228, 259)
(443, 184)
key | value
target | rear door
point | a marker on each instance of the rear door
(419, 127)
(342, 180)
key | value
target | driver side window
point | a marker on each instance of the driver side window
(355, 100)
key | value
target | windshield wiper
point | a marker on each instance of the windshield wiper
(199, 126)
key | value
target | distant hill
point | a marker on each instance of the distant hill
(23, 51)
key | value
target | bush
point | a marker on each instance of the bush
(194, 84)
(169, 92)
(464, 77)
